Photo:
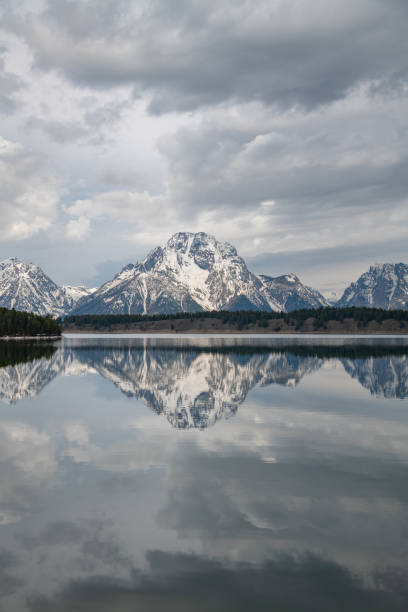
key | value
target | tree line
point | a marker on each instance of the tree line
(20, 323)
(296, 318)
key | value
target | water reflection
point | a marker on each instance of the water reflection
(194, 385)
(298, 502)
(189, 582)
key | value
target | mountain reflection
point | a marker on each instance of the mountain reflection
(195, 385)
(26, 368)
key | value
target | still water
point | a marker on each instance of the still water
(197, 474)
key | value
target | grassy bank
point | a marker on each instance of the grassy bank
(323, 320)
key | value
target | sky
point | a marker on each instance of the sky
(280, 126)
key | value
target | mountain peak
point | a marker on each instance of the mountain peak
(10, 260)
(26, 287)
(381, 268)
(16, 263)
(193, 272)
(289, 292)
(385, 285)
(188, 242)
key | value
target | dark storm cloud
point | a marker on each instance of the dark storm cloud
(180, 582)
(194, 54)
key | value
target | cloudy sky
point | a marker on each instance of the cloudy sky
(280, 126)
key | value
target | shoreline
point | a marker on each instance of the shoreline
(7, 338)
(202, 332)
(324, 322)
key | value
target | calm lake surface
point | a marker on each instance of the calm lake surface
(204, 474)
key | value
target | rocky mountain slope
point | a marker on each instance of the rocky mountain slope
(291, 294)
(74, 294)
(383, 286)
(193, 272)
(26, 287)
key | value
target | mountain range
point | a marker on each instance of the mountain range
(192, 272)
(26, 287)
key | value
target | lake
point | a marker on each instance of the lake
(196, 474)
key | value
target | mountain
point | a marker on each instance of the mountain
(193, 272)
(74, 294)
(383, 286)
(26, 287)
(291, 294)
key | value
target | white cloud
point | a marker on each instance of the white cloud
(78, 229)
(28, 462)
(29, 193)
(76, 433)
(239, 105)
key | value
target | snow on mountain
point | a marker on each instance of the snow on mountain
(383, 286)
(290, 293)
(74, 294)
(192, 272)
(26, 287)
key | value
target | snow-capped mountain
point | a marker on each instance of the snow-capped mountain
(26, 287)
(193, 272)
(383, 286)
(74, 294)
(290, 293)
